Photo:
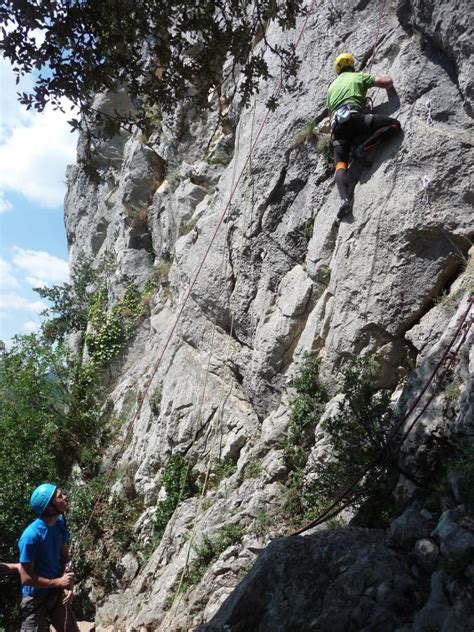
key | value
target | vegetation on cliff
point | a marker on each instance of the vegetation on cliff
(162, 53)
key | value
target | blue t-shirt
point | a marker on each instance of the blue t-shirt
(41, 545)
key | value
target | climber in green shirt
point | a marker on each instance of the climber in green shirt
(346, 100)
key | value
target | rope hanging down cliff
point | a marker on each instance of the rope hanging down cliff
(339, 503)
(377, 32)
(178, 593)
(276, 93)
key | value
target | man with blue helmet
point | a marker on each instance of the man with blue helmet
(44, 553)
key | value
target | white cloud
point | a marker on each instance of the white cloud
(31, 327)
(34, 148)
(41, 265)
(13, 302)
(37, 306)
(4, 203)
(7, 280)
(35, 282)
(13, 114)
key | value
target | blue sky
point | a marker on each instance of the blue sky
(34, 152)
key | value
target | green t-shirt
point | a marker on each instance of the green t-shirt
(349, 87)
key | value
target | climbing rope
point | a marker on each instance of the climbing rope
(276, 93)
(381, 9)
(339, 503)
(169, 617)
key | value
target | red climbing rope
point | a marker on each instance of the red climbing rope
(275, 95)
(377, 32)
(335, 508)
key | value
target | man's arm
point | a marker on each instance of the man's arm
(383, 81)
(30, 578)
(68, 594)
(9, 569)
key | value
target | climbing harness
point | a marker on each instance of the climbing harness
(339, 504)
(344, 113)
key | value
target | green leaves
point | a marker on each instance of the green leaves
(162, 53)
(33, 405)
(357, 437)
(52, 406)
(178, 485)
(108, 333)
(69, 302)
(358, 434)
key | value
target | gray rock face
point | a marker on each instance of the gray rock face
(411, 525)
(427, 553)
(353, 582)
(447, 28)
(248, 238)
(437, 609)
(457, 543)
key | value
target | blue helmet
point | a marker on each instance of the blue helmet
(41, 497)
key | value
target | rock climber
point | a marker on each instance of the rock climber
(44, 554)
(346, 101)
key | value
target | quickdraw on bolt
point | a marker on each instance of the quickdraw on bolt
(429, 119)
(425, 182)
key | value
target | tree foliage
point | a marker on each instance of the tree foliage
(161, 52)
(33, 407)
(69, 303)
(357, 437)
(53, 414)
(358, 434)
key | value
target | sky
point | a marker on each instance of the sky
(34, 152)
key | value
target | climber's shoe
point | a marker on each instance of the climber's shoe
(361, 156)
(345, 207)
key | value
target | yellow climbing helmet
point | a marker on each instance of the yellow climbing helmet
(344, 60)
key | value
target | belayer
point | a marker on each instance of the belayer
(346, 101)
(44, 554)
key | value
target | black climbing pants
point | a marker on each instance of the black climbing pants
(375, 128)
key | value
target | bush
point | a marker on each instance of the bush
(155, 401)
(34, 429)
(108, 335)
(209, 550)
(70, 302)
(253, 469)
(178, 485)
(54, 410)
(223, 469)
(357, 434)
(307, 229)
(306, 409)
(306, 134)
(110, 532)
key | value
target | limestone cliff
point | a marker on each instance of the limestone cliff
(282, 279)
